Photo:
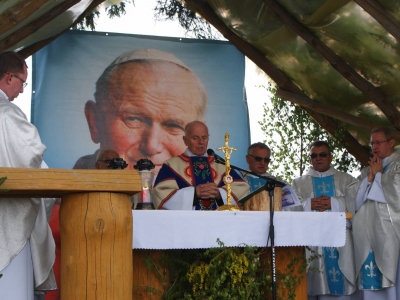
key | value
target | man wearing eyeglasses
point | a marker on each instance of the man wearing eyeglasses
(258, 158)
(26, 243)
(376, 226)
(144, 99)
(325, 189)
(104, 156)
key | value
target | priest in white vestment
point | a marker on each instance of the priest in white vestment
(324, 189)
(193, 180)
(376, 226)
(27, 249)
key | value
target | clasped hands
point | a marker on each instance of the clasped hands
(375, 166)
(208, 190)
(321, 203)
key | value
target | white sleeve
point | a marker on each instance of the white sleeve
(222, 192)
(307, 205)
(362, 193)
(376, 190)
(336, 205)
(21, 146)
(181, 200)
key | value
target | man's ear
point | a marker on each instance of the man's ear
(247, 159)
(392, 142)
(92, 120)
(184, 140)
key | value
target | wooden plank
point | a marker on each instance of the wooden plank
(23, 182)
(16, 14)
(330, 111)
(283, 81)
(364, 86)
(22, 33)
(31, 49)
(96, 234)
(381, 16)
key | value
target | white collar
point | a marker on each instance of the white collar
(188, 153)
(4, 94)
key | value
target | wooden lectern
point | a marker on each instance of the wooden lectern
(95, 222)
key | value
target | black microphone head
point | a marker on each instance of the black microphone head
(210, 152)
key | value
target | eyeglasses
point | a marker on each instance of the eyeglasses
(104, 160)
(322, 155)
(24, 84)
(258, 158)
(378, 142)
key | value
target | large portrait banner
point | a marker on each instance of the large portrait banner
(135, 94)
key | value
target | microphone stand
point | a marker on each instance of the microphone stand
(269, 187)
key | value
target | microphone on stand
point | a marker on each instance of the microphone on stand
(218, 159)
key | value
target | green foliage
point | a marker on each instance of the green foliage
(223, 273)
(187, 18)
(289, 132)
(89, 22)
(2, 180)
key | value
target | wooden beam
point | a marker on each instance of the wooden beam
(381, 16)
(16, 14)
(56, 183)
(31, 49)
(22, 33)
(339, 65)
(330, 111)
(284, 82)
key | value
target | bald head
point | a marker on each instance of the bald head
(104, 156)
(142, 62)
(196, 137)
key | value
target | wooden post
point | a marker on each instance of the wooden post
(95, 222)
(260, 201)
(96, 234)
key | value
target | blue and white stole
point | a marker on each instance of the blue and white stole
(255, 183)
(202, 173)
(325, 186)
(370, 275)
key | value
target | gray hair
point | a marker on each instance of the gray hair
(257, 145)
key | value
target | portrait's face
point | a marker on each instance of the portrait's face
(17, 81)
(320, 158)
(258, 160)
(381, 146)
(146, 111)
(197, 139)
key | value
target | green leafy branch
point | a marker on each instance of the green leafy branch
(2, 180)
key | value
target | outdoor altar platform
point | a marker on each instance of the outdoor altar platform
(157, 232)
(99, 230)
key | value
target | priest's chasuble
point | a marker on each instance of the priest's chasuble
(376, 230)
(332, 273)
(175, 183)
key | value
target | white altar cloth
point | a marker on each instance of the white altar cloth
(167, 229)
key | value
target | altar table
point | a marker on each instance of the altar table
(159, 230)
(163, 229)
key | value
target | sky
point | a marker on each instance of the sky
(139, 19)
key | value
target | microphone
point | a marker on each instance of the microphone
(218, 159)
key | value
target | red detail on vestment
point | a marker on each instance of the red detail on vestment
(206, 203)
